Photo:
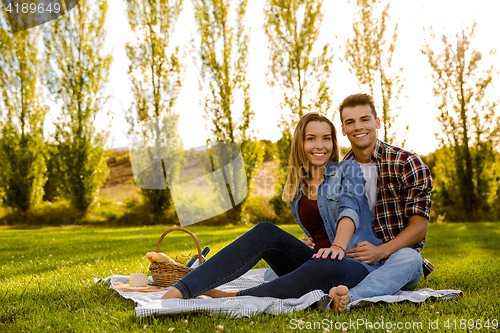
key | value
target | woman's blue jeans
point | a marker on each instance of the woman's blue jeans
(286, 255)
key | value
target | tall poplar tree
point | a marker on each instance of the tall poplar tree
(77, 77)
(470, 129)
(223, 51)
(369, 54)
(156, 71)
(293, 28)
(22, 115)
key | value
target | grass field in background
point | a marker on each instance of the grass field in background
(46, 281)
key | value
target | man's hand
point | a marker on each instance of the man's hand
(367, 252)
(309, 242)
(333, 252)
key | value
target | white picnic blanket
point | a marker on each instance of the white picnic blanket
(151, 303)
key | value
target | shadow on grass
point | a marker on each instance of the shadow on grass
(452, 238)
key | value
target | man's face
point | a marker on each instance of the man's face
(360, 126)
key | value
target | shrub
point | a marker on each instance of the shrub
(257, 209)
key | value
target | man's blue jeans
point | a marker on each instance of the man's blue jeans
(285, 254)
(401, 270)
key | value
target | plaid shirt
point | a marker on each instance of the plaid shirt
(403, 189)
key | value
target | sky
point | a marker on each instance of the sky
(417, 105)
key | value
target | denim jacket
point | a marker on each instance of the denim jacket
(341, 194)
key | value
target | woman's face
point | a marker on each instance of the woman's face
(318, 144)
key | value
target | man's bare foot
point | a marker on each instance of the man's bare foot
(340, 297)
(216, 293)
(172, 293)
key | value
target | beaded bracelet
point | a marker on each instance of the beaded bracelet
(340, 247)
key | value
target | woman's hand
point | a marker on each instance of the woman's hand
(333, 252)
(309, 242)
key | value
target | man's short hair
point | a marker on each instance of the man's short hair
(354, 100)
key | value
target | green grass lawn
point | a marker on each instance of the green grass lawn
(46, 282)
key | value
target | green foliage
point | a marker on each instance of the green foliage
(293, 28)
(253, 155)
(24, 172)
(103, 213)
(223, 52)
(370, 59)
(258, 209)
(45, 214)
(467, 169)
(47, 280)
(78, 72)
(344, 151)
(496, 202)
(22, 115)
(445, 201)
(283, 148)
(222, 75)
(156, 71)
(54, 186)
(168, 142)
(82, 169)
(269, 150)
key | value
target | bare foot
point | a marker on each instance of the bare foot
(172, 293)
(340, 297)
(216, 293)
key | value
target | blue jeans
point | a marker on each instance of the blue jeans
(286, 255)
(401, 270)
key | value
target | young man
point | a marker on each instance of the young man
(398, 189)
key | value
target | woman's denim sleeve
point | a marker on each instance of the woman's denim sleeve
(352, 194)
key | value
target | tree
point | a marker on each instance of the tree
(469, 127)
(22, 111)
(370, 59)
(77, 75)
(293, 28)
(223, 51)
(156, 74)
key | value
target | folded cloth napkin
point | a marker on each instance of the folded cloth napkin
(151, 302)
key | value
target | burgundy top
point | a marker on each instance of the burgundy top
(312, 221)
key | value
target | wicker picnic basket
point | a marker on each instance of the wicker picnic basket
(165, 275)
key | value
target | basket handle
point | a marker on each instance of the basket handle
(186, 231)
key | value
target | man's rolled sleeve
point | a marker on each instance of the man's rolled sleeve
(418, 186)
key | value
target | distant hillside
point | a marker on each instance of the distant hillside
(120, 184)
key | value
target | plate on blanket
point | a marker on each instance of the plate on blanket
(125, 287)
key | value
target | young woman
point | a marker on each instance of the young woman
(328, 201)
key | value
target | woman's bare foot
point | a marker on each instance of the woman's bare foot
(340, 297)
(216, 293)
(172, 293)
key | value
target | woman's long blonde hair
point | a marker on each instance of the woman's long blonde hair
(298, 166)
